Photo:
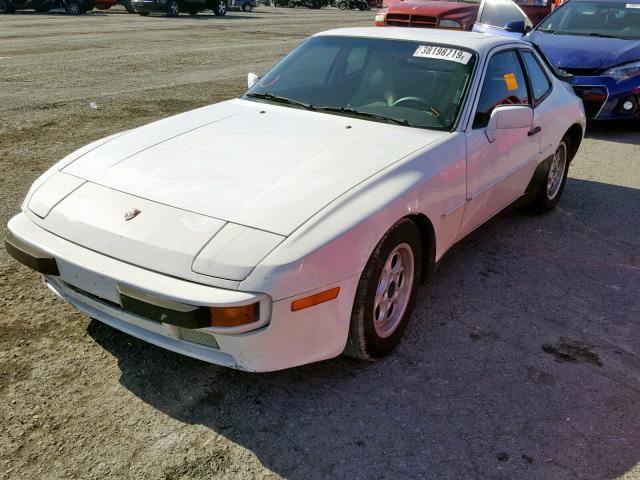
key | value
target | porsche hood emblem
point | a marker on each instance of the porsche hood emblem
(131, 214)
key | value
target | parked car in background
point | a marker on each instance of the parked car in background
(452, 15)
(172, 8)
(429, 14)
(244, 5)
(597, 42)
(295, 223)
(313, 4)
(101, 4)
(71, 7)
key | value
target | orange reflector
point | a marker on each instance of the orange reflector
(315, 299)
(234, 316)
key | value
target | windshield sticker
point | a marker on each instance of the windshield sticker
(633, 5)
(510, 80)
(443, 53)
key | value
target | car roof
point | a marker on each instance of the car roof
(471, 40)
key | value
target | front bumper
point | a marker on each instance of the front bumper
(604, 98)
(91, 282)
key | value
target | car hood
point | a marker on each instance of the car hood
(582, 52)
(263, 166)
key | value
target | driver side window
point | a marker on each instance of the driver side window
(504, 84)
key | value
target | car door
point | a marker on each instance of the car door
(502, 17)
(500, 162)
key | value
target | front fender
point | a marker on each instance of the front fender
(337, 242)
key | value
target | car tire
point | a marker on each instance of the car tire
(386, 293)
(247, 7)
(343, 5)
(219, 8)
(128, 7)
(173, 8)
(73, 7)
(551, 185)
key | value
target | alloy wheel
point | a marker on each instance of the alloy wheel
(557, 171)
(394, 290)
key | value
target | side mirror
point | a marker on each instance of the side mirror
(517, 26)
(252, 79)
(508, 117)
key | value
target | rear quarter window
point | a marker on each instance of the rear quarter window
(540, 83)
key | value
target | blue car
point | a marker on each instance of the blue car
(596, 41)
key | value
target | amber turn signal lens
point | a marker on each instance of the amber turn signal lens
(234, 316)
(315, 299)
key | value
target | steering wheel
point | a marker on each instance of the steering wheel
(411, 99)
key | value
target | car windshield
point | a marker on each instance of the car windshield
(408, 83)
(598, 19)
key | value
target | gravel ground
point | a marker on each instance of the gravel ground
(521, 360)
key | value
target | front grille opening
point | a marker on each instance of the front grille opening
(196, 336)
(406, 20)
(97, 298)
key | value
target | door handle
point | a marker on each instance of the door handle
(534, 131)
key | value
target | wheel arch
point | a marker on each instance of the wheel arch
(428, 243)
(576, 134)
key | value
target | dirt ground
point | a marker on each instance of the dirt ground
(521, 362)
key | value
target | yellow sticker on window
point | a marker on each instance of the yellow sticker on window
(510, 80)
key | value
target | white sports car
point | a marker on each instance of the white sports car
(295, 223)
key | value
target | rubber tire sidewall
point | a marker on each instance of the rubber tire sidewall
(76, 2)
(363, 341)
(215, 7)
(541, 202)
(169, 13)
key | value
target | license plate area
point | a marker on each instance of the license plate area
(88, 281)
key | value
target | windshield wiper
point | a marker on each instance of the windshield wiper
(275, 98)
(358, 113)
(602, 35)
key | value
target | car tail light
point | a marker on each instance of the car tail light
(316, 299)
(234, 316)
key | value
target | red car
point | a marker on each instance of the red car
(450, 15)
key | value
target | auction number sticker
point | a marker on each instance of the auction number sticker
(633, 5)
(443, 53)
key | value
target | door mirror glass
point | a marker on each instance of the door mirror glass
(252, 79)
